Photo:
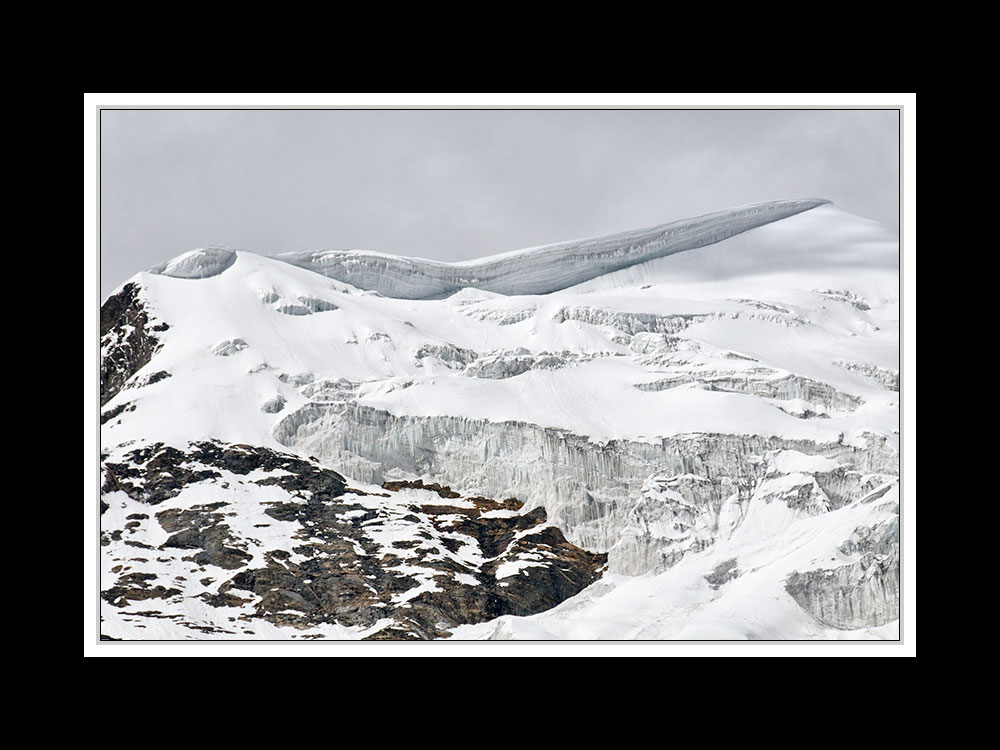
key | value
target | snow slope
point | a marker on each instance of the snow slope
(589, 378)
(735, 590)
(786, 309)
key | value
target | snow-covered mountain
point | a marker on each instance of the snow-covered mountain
(684, 432)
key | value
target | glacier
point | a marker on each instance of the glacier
(540, 270)
(713, 404)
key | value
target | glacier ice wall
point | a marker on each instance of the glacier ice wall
(540, 270)
(862, 594)
(596, 493)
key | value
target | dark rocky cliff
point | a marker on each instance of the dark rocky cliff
(128, 339)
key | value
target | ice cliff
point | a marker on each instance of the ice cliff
(545, 269)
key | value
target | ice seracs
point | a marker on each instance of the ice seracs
(200, 263)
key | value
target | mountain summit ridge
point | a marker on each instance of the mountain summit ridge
(537, 270)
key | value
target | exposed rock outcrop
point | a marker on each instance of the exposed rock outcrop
(128, 339)
(409, 562)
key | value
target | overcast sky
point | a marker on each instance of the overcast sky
(459, 184)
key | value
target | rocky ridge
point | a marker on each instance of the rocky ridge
(128, 339)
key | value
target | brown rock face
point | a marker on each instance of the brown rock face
(411, 562)
(128, 340)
